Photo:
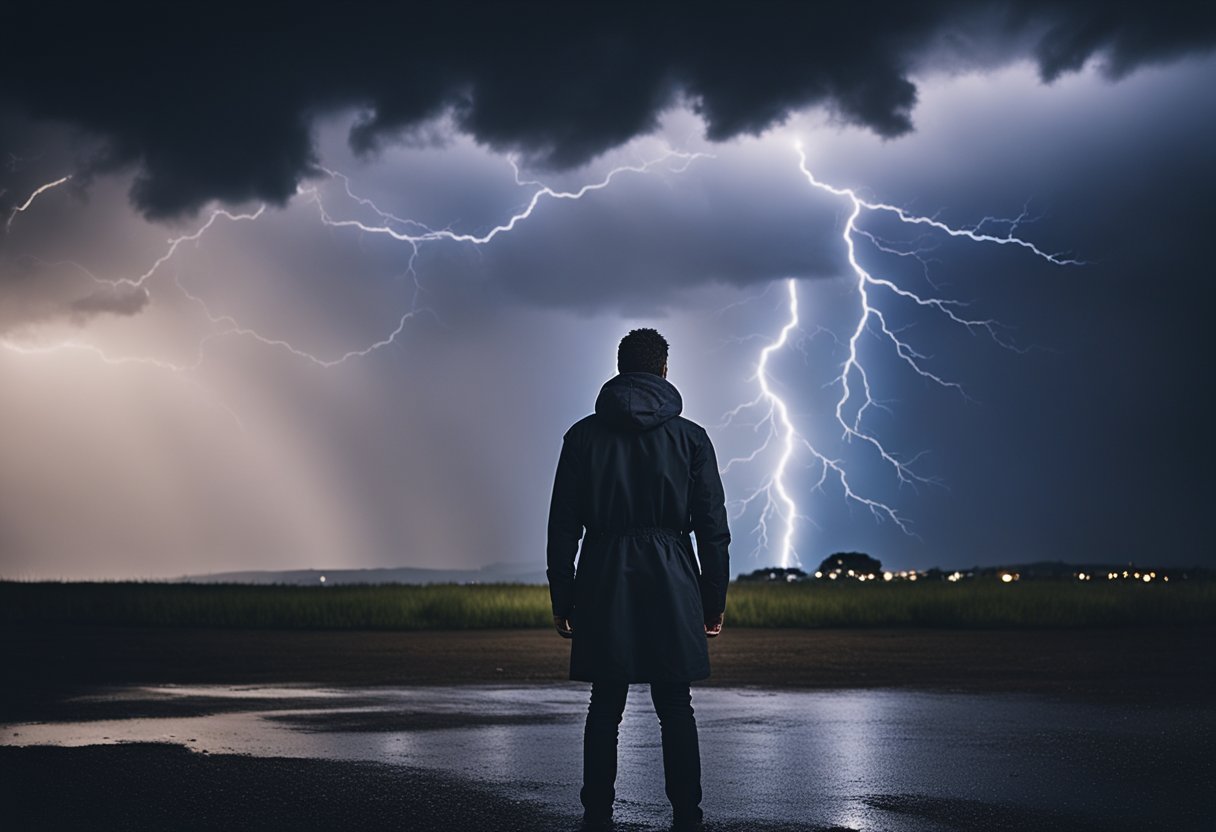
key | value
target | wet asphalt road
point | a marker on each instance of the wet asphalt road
(508, 757)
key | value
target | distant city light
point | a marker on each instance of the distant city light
(322, 579)
(1003, 575)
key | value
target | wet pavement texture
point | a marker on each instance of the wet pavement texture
(843, 759)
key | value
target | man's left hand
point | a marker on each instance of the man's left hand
(562, 625)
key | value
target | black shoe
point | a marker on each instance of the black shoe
(596, 825)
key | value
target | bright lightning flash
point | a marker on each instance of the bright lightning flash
(778, 503)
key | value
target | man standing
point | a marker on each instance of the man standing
(639, 478)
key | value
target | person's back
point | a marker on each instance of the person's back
(639, 478)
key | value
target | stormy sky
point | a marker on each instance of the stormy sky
(290, 385)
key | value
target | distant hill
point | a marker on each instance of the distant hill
(516, 573)
(523, 573)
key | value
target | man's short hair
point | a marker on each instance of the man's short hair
(642, 351)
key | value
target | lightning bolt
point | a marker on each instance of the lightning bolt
(25, 205)
(543, 192)
(389, 224)
(778, 504)
(136, 283)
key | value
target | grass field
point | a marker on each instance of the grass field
(974, 604)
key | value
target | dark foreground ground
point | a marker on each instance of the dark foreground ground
(165, 786)
(1151, 664)
(147, 786)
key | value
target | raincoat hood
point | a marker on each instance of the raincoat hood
(639, 401)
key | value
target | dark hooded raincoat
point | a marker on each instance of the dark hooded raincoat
(639, 478)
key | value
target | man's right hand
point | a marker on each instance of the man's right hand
(562, 625)
(713, 627)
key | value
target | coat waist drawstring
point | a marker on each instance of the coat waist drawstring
(638, 531)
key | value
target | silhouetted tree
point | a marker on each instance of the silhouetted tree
(774, 573)
(859, 562)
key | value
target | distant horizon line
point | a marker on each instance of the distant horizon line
(525, 567)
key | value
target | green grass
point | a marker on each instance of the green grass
(376, 607)
(973, 604)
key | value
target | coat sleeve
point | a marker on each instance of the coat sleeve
(565, 529)
(708, 510)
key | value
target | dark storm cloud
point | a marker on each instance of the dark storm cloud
(221, 106)
(1127, 34)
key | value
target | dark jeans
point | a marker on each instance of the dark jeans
(681, 754)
